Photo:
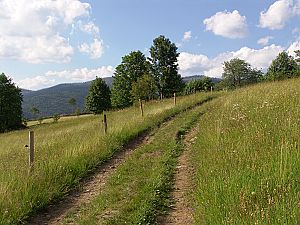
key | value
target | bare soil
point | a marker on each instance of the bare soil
(88, 189)
(181, 212)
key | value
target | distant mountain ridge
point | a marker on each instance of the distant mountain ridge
(54, 100)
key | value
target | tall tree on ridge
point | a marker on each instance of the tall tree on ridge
(133, 66)
(165, 67)
(98, 98)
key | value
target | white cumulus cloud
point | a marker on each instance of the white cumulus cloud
(51, 78)
(277, 15)
(227, 24)
(94, 50)
(33, 31)
(83, 74)
(293, 47)
(89, 27)
(191, 64)
(35, 82)
(264, 40)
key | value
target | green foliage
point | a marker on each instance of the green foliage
(165, 67)
(72, 102)
(238, 72)
(203, 84)
(10, 104)
(55, 99)
(297, 52)
(77, 112)
(284, 66)
(35, 111)
(98, 98)
(132, 67)
(56, 117)
(144, 88)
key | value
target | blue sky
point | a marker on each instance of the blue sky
(46, 42)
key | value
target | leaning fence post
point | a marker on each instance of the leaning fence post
(174, 98)
(31, 150)
(141, 107)
(105, 123)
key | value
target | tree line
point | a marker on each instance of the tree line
(238, 72)
(138, 77)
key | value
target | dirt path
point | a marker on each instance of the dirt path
(181, 212)
(89, 188)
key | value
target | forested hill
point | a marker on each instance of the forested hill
(50, 101)
(54, 100)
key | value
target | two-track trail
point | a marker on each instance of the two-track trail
(89, 188)
(181, 212)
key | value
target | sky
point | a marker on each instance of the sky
(47, 42)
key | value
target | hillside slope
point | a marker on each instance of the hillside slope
(247, 157)
(55, 99)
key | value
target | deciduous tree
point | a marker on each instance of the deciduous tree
(284, 66)
(165, 67)
(132, 67)
(10, 104)
(144, 88)
(238, 72)
(98, 98)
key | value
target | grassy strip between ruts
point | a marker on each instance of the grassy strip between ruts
(247, 157)
(67, 151)
(140, 187)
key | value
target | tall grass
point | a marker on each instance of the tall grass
(140, 187)
(247, 157)
(66, 151)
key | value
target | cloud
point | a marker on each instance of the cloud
(51, 78)
(227, 24)
(89, 28)
(33, 31)
(39, 49)
(293, 47)
(277, 15)
(191, 64)
(83, 74)
(36, 82)
(94, 50)
(264, 40)
(187, 36)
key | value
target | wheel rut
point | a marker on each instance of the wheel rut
(88, 189)
(181, 212)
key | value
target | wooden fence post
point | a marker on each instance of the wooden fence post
(141, 107)
(31, 150)
(211, 89)
(105, 123)
(174, 98)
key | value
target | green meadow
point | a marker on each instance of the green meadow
(67, 151)
(247, 157)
